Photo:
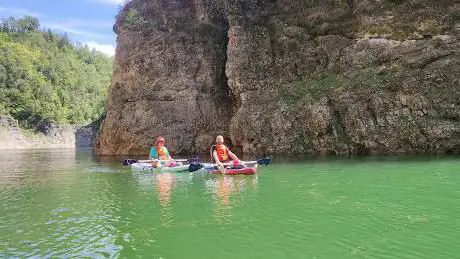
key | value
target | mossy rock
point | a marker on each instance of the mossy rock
(315, 86)
(295, 32)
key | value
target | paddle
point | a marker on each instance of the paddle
(262, 161)
(221, 168)
(132, 161)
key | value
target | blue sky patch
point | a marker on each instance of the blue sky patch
(86, 21)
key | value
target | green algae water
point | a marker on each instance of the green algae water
(64, 203)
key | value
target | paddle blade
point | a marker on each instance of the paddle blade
(194, 167)
(193, 160)
(129, 161)
(264, 161)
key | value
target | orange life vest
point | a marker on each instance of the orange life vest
(162, 153)
(221, 150)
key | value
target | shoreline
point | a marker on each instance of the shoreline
(60, 136)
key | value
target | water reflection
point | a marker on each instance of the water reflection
(225, 192)
(223, 187)
(19, 168)
(165, 185)
(52, 208)
(36, 160)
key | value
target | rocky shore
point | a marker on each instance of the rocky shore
(44, 136)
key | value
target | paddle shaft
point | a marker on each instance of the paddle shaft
(241, 162)
(194, 167)
(147, 161)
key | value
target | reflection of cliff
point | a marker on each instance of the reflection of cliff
(21, 167)
(295, 76)
(49, 199)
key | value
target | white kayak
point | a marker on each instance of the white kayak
(148, 166)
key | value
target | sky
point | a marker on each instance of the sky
(86, 21)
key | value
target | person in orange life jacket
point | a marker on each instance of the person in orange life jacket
(221, 153)
(160, 152)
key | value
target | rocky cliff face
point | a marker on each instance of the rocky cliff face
(44, 136)
(327, 77)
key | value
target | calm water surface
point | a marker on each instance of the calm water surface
(64, 203)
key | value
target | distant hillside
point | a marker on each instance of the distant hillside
(44, 78)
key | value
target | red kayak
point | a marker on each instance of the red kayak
(246, 170)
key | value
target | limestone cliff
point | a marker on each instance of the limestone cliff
(296, 76)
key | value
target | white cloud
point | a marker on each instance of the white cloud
(91, 23)
(87, 31)
(91, 32)
(13, 11)
(104, 48)
(71, 28)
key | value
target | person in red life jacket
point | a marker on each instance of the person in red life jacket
(160, 152)
(221, 153)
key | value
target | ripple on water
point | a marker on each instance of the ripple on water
(334, 210)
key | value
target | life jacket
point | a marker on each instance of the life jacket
(162, 153)
(221, 150)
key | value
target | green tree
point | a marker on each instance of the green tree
(28, 24)
(133, 20)
(44, 77)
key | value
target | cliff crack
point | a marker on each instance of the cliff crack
(436, 58)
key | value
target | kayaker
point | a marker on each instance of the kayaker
(221, 153)
(160, 152)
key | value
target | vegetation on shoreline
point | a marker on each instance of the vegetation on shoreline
(44, 78)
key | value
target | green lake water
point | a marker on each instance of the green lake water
(65, 203)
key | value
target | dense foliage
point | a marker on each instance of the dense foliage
(46, 78)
